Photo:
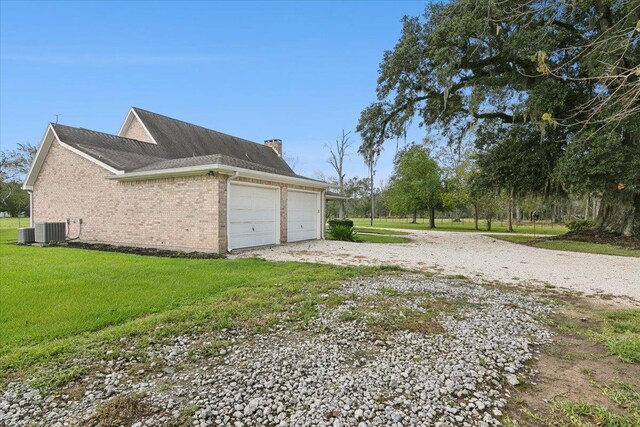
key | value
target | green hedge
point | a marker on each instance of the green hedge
(340, 222)
(342, 232)
(580, 225)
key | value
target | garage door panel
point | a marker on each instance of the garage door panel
(247, 228)
(253, 217)
(302, 215)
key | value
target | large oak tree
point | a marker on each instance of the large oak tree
(568, 68)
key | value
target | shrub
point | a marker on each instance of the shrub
(580, 225)
(342, 232)
(344, 222)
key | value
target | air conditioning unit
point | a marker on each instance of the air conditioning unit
(26, 235)
(47, 232)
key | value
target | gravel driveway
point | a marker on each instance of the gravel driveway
(478, 257)
(397, 351)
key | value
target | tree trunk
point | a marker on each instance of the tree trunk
(489, 223)
(456, 215)
(475, 215)
(510, 219)
(619, 213)
(372, 201)
(341, 214)
(586, 207)
(432, 218)
(415, 217)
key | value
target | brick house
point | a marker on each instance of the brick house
(165, 183)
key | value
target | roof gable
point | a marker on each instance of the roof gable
(133, 128)
(150, 142)
(51, 135)
(180, 139)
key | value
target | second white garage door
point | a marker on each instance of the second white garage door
(303, 216)
(253, 219)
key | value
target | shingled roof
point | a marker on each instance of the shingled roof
(178, 144)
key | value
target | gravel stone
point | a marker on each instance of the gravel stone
(335, 370)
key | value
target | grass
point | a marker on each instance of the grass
(375, 235)
(621, 333)
(387, 313)
(584, 386)
(618, 330)
(375, 238)
(58, 301)
(466, 225)
(587, 415)
(570, 245)
(582, 414)
(383, 231)
(121, 410)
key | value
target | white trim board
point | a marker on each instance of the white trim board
(219, 168)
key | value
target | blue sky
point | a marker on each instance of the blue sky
(298, 71)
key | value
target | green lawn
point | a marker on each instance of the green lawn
(570, 245)
(378, 238)
(375, 235)
(57, 300)
(371, 230)
(466, 226)
(373, 238)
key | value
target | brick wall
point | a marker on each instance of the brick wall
(172, 212)
(221, 217)
(136, 131)
(176, 213)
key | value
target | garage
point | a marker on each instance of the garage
(253, 216)
(303, 215)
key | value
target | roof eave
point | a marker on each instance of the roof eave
(217, 168)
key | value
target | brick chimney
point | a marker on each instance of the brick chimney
(276, 144)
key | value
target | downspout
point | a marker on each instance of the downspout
(30, 208)
(235, 175)
(323, 202)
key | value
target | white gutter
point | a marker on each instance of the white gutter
(216, 167)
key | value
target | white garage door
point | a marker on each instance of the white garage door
(303, 216)
(253, 219)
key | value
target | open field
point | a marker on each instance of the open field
(568, 245)
(465, 225)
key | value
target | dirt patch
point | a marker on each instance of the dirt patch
(142, 251)
(121, 410)
(577, 376)
(594, 236)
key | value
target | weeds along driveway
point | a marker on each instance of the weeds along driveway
(477, 257)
